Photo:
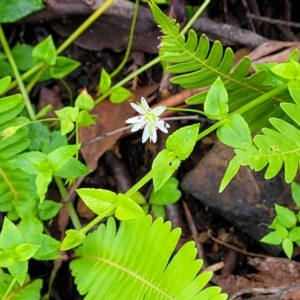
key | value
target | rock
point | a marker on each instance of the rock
(247, 202)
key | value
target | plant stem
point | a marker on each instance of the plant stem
(244, 108)
(9, 289)
(94, 222)
(195, 17)
(149, 176)
(153, 61)
(90, 20)
(130, 40)
(69, 205)
(14, 67)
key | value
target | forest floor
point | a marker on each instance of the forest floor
(226, 227)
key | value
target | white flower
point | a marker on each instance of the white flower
(148, 120)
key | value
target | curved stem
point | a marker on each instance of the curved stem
(244, 108)
(9, 289)
(69, 205)
(19, 80)
(130, 41)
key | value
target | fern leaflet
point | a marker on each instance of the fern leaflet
(133, 263)
(272, 149)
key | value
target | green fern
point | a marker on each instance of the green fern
(15, 185)
(272, 149)
(197, 64)
(134, 263)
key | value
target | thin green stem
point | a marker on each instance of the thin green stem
(9, 289)
(153, 61)
(195, 17)
(244, 108)
(94, 222)
(130, 41)
(149, 176)
(69, 205)
(197, 111)
(35, 79)
(14, 67)
(90, 20)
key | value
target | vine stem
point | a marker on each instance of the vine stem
(9, 288)
(69, 205)
(149, 176)
(19, 80)
(155, 60)
(244, 108)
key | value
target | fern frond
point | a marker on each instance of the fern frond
(197, 64)
(15, 185)
(272, 149)
(133, 263)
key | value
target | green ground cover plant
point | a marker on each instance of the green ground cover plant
(257, 115)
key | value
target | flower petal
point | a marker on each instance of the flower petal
(145, 133)
(162, 125)
(139, 108)
(137, 119)
(157, 111)
(137, 126)
(144, 104)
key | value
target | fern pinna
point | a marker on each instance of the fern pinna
(197, 64)
(134, 262)
(264, 99)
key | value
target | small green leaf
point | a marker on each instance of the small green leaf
(282, 231)
(288, 247)
(84, 101)
(56, 140)
(14, 10)
(183, 141)
(68, 113)
(4, 83)
(73, 238)
(48, 209)
(66, 126)
(19, 271)
(45, 52)
(296, 192)
(294, 89)
(73, 168)
(10, 235)
(286, 217)
(158, 211)
(98, 200)
(215, 105)
(9, 102)
(272, 238)
(235, 132)
(231, 171)
(42, 181)
(8, 258)
(48, 249)
(119, 94)
(105, 82)
(30, 225)
(167, 194)
(58, 157)
(294, 234)
(127, 209)
(25, 251)
(285, 70)
(162, 176)
(85, 119)
(22, 56)
(63, 66)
